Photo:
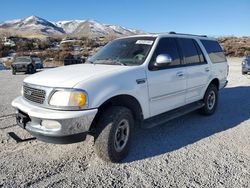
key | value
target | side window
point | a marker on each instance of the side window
(201, 55)
(167, 46)
(191, 52)
(214, 51)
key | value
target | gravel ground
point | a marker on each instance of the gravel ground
(191, 151)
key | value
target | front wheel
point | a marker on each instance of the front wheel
(13, 71)
(210, 99)
(114, 131)
(243, 72)
(31, 69)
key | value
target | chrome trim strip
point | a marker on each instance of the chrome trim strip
(160, 97)
(167, 95)
(195, 87)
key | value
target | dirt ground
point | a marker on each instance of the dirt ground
(191, 151)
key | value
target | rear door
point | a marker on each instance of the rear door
(197, 69)
(167, 86)
(218, 60)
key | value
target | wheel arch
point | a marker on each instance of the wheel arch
(215, 82)
(125, 100)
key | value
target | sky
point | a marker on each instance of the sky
(209, 17)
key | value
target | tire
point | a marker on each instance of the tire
(244, 73)
(31, 69)
(111, 141)
(211, 100)
(13, 71)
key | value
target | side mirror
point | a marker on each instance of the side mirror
(163, 60)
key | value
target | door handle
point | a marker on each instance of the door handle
(141, 81)
(207, 69)
(180, 74)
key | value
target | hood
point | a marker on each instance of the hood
(69, 76)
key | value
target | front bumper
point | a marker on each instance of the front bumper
(245, 68)
(74, 124)
(20, 67)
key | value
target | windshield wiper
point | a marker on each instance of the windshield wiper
(119, 63)
(109, 62)
(89, 61)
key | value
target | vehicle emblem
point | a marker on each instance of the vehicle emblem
(28, 92)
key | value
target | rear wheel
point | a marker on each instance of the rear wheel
(210, 99)
(114, 131)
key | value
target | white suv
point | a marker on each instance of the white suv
(133, 81)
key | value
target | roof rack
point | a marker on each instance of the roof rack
(172, 32)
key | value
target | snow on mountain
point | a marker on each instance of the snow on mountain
(69, 26)
(93, 28)
(33, 24)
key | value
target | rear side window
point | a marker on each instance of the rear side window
(214, 51)
(191, 52)
(167, 46)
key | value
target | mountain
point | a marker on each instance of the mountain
(34, 24)
(94, 28)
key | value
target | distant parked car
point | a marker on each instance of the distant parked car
(246, 65)
(2, 67)
(23, 64)
(38, 62)
(71, 60)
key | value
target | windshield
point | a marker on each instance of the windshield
(22, 59)
(127, 51)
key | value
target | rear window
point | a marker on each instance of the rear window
(214, 51)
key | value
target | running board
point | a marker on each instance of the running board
(167, 116)
(18, 139)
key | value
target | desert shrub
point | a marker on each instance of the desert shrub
(235, 46)
(62, 55)
(8, 64)
(24, 46)
(42, 45)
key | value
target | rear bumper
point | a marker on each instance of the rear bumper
(74, 125)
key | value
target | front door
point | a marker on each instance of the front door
(167, 85)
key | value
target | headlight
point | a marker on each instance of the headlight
(69, 99)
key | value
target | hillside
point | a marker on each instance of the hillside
(33, 24)
(235, 46)
(79, 28)
(36, 27)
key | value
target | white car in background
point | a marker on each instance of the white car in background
(246, 65)
(133, 81)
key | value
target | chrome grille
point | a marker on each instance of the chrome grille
(34, 94)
